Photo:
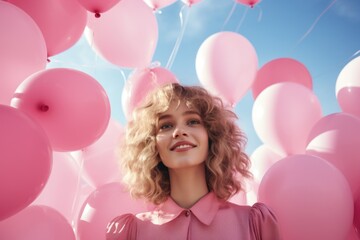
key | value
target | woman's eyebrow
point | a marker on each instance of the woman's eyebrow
(165, 116)
(190, 112)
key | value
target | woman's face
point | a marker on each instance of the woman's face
(181, 139)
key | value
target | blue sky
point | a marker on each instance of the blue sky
(324, 35)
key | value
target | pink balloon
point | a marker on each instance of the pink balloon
(226, 65)
(348, 87)
(72, 106)
(281, 70)
(310, 197)
(98, 6)
(158, 4)
(190, 2)
(250, 3)
(336, 138)
(37, 222)
(103, 205)
(22, 47)
(357, 216)
(353, 234)
(283, 115)
(126, 35)
(101, 163)
(261, 160)
(62, 187)
(62, 22)
(140, 83)
(25, 160)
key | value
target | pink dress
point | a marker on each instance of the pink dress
(210, 218)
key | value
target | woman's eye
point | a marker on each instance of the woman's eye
(165, 126)
(194, 122)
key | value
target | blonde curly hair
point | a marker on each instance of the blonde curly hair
(143, 171)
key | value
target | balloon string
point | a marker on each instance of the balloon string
(96, 55)
(260, 14)
(356, 53)
(316, 21)
(91, 66)
(229, 15)
(185, 10)
(76, 198)
(95, 65)
(242, 19)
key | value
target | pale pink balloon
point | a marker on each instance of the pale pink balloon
(262, 159)
(71, 105)
(62, 187)
(336, 138)
(252, 192)
(226, 65)
(158, 4)
(239, 198)
(250, 3)
(62, 22)
(310, 197)
(98, 6)
(140, 83)
(348, 87)
(281, 70)
(25, 160)
(37, 222)
(102, 206)
(190, 2)
(22, 48)
(283, 115)
(126, 35)
(101, 161)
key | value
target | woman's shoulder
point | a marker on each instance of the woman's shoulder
(263, 222)
(262, 210)
(258, 211)
(122, 227)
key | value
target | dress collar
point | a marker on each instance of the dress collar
(205, 210)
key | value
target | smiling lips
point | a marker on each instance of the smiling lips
(182, 146)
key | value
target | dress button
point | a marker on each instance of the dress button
(187, 213)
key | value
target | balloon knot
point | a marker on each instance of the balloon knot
(43, 107)
(155, 7)
(97, 15)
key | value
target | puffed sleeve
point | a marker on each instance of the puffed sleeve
(122, 228)
(263, 223)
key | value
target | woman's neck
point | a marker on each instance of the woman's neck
(188, 185)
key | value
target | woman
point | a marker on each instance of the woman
(184, 152)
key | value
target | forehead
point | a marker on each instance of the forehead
(179, 107)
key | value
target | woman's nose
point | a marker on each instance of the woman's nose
(178, 131)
